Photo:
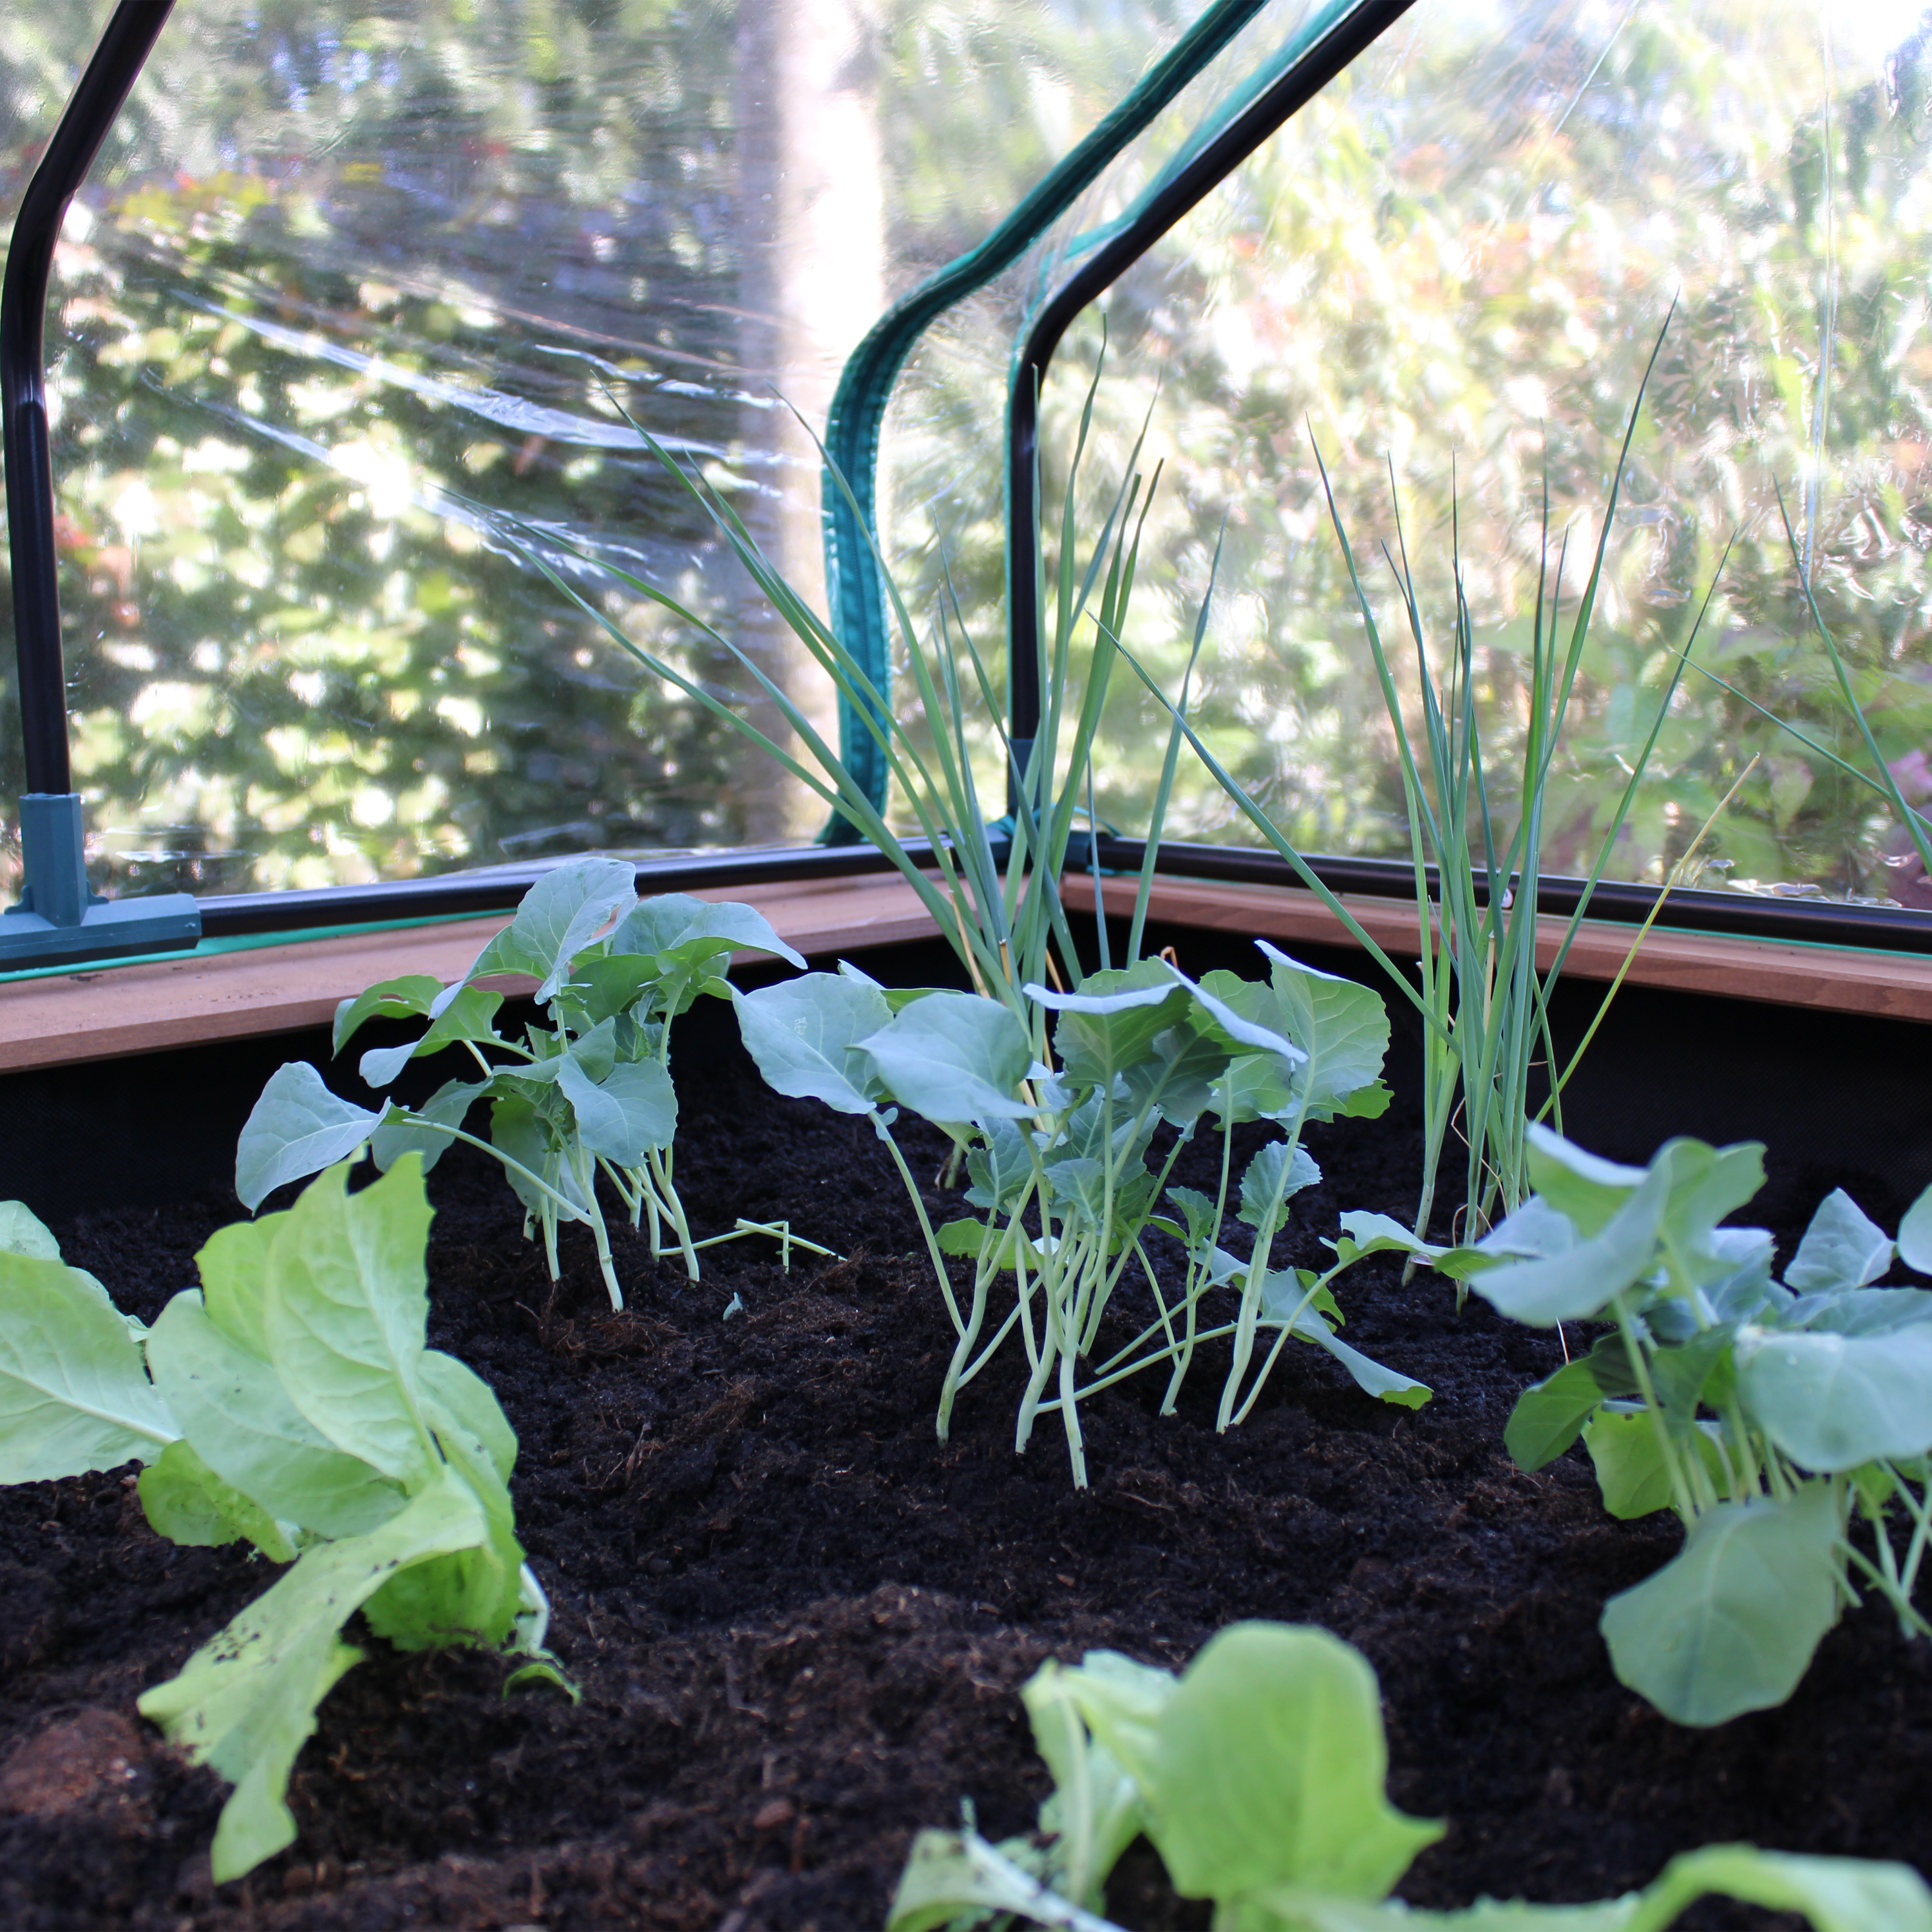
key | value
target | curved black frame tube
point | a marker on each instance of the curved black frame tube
(123, 52)
(1263, 116)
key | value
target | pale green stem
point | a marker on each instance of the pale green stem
(932, 1248)
(1257, 1268)
(1681, 1495)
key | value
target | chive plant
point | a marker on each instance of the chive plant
(1000, 910)
(1478, 988)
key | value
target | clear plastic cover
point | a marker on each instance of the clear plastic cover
(355, 290)
(1447, 276)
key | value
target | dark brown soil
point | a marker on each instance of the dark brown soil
(799, 1621)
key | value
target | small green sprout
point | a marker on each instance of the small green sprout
(590, 1094)
(1767, 1415)
(1258, 1776)
(290, 1401)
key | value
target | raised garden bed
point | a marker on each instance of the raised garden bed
(799, 1621)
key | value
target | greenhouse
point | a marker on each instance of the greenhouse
(966, 965)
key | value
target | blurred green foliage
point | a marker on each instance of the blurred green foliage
(356, 282)
(1448, 272)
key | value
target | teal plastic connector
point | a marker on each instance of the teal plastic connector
(59, 918)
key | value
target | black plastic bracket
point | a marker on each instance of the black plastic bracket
(57, 917)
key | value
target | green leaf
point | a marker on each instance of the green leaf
(654, 924)
(1914, 1234)
(233, 1265)
(416, 1132)
(970, 1240)
(1831, 1401)
(1549, 1415)
(1385, 1385)
(1729, 1624)
(1588, 1190)
(245, 1703)
(602, 988)
(1121, 1702)
(467, 1596)
(188, 1503)
(1707, 1183)
(542, 1673)
(1095, 1811)
(1344, 1029)
(1363, 1233)
(559, 916)
(957, 1875)
(346, 1308)
(1836, 1894)
(955, 1057)
(1244, 1032)
(1631, 1472)
(1203, 1224)
(632, 1110)
(22, 1232)
(1110, 1024)
(1254, 1087)
(74, 1394)
(297, 1127)
(1291, 1911)
(456, 1388)
(1535, 1229)
(999, 1165)
(1268, 1768)
(234, 1410)
(804, 1036)
(1365, 1103)
(469, 1015)
(1863, 1311)
(388, 999)
(518, 1130)
(1271, 1170)
(1579, 1283)
(724, 924)
(1844, 1248)
(1179, 1076)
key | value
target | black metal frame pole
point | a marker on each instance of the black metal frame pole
(123, 51)
(1263, 116)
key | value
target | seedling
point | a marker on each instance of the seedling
(1059, 1161)
(1766, 1414)
(590, 1093)
(1258, 1775)
(290, 1401)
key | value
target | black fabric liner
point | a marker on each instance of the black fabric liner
(1846, 1093)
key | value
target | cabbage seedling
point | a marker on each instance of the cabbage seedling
(1059, 1161)
(592, 1092)
(290, 1401)
(1258, 1775)
(1766, 1414)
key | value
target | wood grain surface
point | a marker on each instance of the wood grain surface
(141, 1008)
(1843, 979)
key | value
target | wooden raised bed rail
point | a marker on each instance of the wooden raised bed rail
(84, 1016)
